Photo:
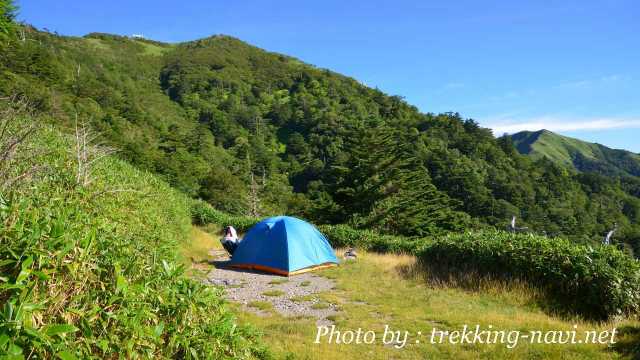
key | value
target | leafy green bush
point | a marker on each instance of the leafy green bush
(346, 236)
(198, 127)
(90, 270)
(202, 213)
(594, 282)
(338, 235)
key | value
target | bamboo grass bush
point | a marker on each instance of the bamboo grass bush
(594, 282)
(338, 235)
(90, 271)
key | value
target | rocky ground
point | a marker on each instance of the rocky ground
(261, 292)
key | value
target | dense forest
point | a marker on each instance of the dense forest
(259, 133)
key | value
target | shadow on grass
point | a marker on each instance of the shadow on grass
(471, 280)
(225, 265)
(628, 342)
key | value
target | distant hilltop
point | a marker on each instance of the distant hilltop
(580, 155)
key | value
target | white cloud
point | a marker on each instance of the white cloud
(614, 77)
(591, 83)
(454, 85)
(579, 84)
(553, 123)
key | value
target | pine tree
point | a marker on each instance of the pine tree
(383, 186)
(7, 17)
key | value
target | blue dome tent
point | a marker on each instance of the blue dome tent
(283, 245)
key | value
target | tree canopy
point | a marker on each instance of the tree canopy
(257, 132)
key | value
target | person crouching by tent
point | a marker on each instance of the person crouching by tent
(230, 240)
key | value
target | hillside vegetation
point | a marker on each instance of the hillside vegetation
(577, 154)
(593, 282)
(390, 289)
(220, 132)
(90, 268)
(254, 132)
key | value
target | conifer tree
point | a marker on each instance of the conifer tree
(7, 17)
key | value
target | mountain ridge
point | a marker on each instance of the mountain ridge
(254, 132)
(577, 154)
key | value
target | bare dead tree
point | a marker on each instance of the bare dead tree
(88, 152)
(513, 228)
(609, 235)
(22, 34)
(14, 135)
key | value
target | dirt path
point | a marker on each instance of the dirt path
(260, 292)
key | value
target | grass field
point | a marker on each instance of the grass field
(380, 290)
(385, 289)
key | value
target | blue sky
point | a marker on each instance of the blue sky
(568, 66)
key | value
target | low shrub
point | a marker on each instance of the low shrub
(338, 235)
(594, 282)
(346, 236)
(203, 213)
(90, 271)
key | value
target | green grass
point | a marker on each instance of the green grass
(564, 150)
(153, 49)
(278, 281)
(579, 279)
(99, 44)
(305, 283)
(303, 298)
(555, 147)
(320, 305)
(392, 290)
(261, 305)
(93, 271)
(273, 293)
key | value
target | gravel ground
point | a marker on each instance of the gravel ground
(293, 296)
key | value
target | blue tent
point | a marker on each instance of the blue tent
(283, 245)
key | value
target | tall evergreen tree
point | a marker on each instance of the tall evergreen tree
(384, 186)
(7, 16)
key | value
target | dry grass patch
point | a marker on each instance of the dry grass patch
(384, 289)
(303, 298)
(261, 305)
(320, 305)
(278, 281)
(273, 293)
(196, 248)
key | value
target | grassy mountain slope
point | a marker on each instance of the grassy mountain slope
(257, 133)
(87, 268)
(90, 269)
(578, 154)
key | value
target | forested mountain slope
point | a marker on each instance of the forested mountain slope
(577, 154)
(254, 132)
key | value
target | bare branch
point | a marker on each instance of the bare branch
(88, 152)
(14, 136)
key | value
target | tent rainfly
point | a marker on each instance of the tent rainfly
(283, 245)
